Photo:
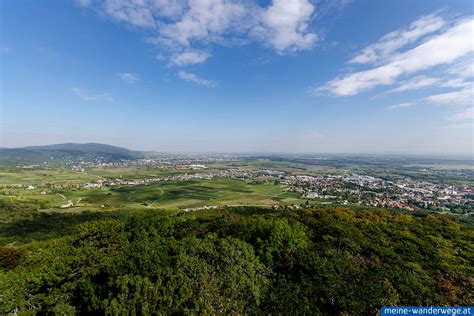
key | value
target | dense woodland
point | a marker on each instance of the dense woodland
(323, 260)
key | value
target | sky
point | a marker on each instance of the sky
(276, 76)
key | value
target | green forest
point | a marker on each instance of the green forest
(243, 260)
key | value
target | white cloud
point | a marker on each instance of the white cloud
(415, 83)
(401, 105)
(285, 25)
(445, 48)
(420, 82)
(387, 45)
(83, 3)
(179, 26)
(169, 8)
(461, 97)
(463, 69)
(128, 77)
(86, 96)
(453, 98)
(467, 114)
(456, 83)
(160, 57)
(190, 58)
(187, 76)
(204, 21)
(134, 12)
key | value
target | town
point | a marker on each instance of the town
(366, 190)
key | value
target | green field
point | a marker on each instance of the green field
(45, 176)
(57, 188)
(182, 194)
(68, 177)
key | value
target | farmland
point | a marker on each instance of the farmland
(63, 191)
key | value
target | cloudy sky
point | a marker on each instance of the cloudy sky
(256, 76)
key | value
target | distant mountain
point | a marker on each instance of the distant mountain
(67, 152)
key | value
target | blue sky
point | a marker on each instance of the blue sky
(231, 76)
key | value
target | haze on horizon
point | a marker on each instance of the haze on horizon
(296, 76)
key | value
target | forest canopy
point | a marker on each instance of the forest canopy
(323, 260)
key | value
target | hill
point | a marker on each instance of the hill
(67, 152)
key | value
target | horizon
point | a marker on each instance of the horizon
(256, 153)
(270, 77)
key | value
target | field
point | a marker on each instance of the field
(62, 191)
(44, 176)
(285, 166)
(182, 194)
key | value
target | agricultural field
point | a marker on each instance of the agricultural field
(63, 190)
(173, 195)
(44, 176)
(284, 166)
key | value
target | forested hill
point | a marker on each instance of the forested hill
(326, 260)
(68, 151)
